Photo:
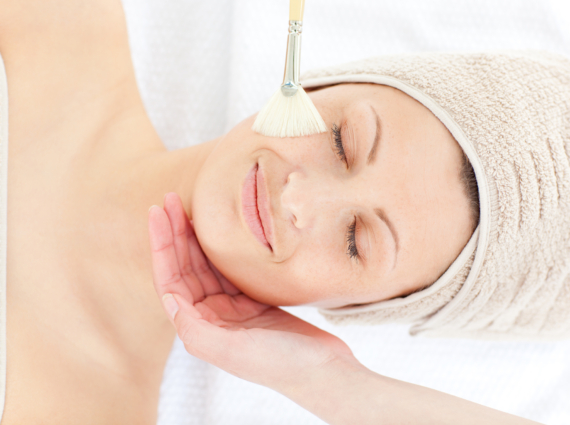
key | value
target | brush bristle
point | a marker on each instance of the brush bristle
(289, 116)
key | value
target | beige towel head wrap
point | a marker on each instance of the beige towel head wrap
(510, 112)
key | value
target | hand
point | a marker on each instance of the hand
(219, 324)
(268, 346)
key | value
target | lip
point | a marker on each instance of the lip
(255, 205)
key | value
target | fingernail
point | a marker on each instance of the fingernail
(151, 207)
(170, 305)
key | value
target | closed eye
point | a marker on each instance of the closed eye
(339, 148)
(352, 250)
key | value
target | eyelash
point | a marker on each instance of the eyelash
(352, 250)
(338, 144)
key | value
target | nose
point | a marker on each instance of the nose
(306, 197)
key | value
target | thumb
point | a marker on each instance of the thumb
(213, 344)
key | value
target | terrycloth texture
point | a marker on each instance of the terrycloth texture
(510, 112)
(414, 307)
(3, 227)
(192, 58)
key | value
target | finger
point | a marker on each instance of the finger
(165, 269)
(179, 223)
(227, 286)
(200, 265)
(257, 355)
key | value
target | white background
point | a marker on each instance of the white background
(202, 66)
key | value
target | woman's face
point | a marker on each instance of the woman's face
(370, 212)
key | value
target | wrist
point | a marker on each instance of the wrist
(342, 391)
(334, 391)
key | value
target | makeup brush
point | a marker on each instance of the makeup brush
(290, 112)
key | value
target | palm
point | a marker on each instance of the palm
(216, 321)
(240, 311)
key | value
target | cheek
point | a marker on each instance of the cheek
(318, 271)
(313, 273)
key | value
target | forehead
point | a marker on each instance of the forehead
(392, 103)
(407, 126)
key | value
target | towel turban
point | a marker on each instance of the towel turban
(510, 113)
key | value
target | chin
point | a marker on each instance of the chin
(227, 246)
(215, 222)
(216, 215)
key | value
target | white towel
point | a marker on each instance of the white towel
(204, 66)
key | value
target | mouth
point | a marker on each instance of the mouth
(255, 204)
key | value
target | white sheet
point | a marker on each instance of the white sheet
(203, 66)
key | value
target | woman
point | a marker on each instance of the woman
(87, 337)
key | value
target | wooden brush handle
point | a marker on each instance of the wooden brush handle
(296, 9)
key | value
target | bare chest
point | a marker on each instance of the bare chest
(52, 319)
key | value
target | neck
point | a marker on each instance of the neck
(163, 171)
(124, 295)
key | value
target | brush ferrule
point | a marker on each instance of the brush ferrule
(293, 60)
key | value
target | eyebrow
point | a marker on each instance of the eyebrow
(374, 149)
(382, 215)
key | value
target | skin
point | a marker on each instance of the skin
(314, 196)
(87, 340)
(87, 336)
(266, 345)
